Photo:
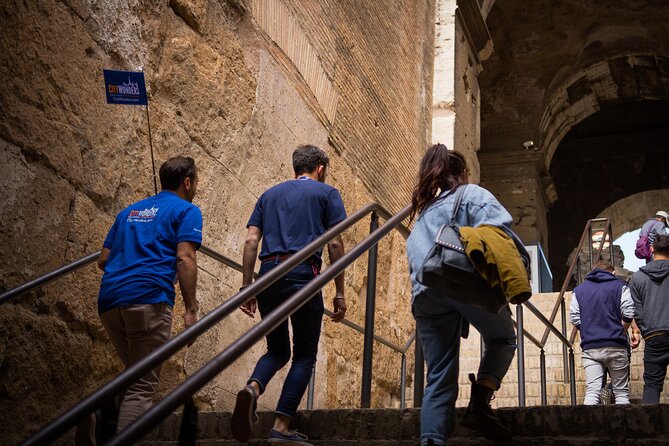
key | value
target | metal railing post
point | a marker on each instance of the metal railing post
(572, 377)
(590, 252)
(521, 356)
(419, 374)
(403, 382)
(370, 308)
(188, 431)
(609, 233)
(310, 389)
(542, 371)
(565, 361)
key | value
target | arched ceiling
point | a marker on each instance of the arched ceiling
(616, 153)
(588, 82)
(632, 212)
(541, 44)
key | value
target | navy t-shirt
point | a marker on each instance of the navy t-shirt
(141, 268)
(294, 213)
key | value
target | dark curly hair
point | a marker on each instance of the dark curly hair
(440, 169)
(306, 158)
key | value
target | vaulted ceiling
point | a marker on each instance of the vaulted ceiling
(588, 82)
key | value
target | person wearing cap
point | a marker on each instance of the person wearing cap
(654, 227)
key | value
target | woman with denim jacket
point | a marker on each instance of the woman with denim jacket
(440, 319)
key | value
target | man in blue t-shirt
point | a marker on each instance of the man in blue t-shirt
(287, 217)
(151, 244)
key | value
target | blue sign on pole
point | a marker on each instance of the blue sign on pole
(125, 87)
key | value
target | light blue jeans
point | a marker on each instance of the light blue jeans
(439, 322)
(595, 362)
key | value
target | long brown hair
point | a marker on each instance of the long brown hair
(440, 170)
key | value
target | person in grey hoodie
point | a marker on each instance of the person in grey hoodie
(650, 292)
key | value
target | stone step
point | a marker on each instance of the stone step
(549, 425)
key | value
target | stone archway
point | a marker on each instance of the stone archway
(619, 79)
(631, 212)
(555, 65)
(618, 152)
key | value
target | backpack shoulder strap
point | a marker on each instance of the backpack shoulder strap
(458, 199)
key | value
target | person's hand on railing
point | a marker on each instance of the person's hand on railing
(339, 303)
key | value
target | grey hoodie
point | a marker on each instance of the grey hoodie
(650, 292)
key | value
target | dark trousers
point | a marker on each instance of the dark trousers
(655, 361)
(306, 323)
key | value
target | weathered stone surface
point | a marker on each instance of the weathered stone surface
(218, 91)
(556, 425)
(632, 212)
(568, 74)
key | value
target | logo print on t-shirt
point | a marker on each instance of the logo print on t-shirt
(144, 216)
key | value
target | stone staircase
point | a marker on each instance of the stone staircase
(550, 425)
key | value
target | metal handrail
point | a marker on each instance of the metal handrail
(86, 406)
(567, 344)
(89, 404)
(402, 350)
(361, 330)
(529, 336)
(48, 277)
(543, 319)
(68, 268)
(182, 393)
(570, 271)
(237, 266)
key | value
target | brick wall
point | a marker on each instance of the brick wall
(467, 125)
(382, 70)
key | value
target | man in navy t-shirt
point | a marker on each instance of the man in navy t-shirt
(287, 217)
(151, 244)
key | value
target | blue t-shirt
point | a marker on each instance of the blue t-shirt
(142, 264)
(294, 213)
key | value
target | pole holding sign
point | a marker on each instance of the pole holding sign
(129, 88)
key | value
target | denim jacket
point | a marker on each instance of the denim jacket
(478, 207)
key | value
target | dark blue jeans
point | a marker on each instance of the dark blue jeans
(655, 361)
(306, 323)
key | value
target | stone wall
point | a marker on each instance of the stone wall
(516, 182)
(225, 88)
(456, 95)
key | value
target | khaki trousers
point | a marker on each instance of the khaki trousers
(135, 332)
